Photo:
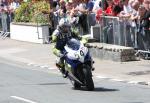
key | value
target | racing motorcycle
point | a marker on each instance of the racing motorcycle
(78, 64)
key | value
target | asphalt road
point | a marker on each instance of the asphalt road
(20, 83)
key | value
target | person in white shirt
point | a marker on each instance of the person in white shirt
(125, 15)
(96, 6)
(14, 4)
(12, 7)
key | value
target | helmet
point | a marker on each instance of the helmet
(64, 25)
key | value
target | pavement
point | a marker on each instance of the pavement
(40, 55)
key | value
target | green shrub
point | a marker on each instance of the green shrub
(33, 12)
(23, 14)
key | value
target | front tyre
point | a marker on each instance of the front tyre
(77, 85)
(88, 78)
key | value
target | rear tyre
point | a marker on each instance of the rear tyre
(88, 78)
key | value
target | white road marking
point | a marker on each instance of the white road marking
(53, 68)
(22, 99)
(29, 64)
(133, 82)
(117, 80)
(94, 75)
(44, 66)
(102, 77)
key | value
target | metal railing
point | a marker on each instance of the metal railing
(114, 30)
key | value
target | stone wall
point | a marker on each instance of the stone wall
(111, 52)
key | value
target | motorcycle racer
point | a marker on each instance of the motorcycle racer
(60, 36)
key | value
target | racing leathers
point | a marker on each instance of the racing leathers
(60, 38)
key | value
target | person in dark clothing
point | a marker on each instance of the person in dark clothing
(85, 8)
(4, 16)
(143, 27)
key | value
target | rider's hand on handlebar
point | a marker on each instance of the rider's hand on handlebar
(62, 55)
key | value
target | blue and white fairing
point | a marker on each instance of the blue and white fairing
(77, 53)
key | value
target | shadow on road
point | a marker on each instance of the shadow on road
(52, 84)
(99, 89)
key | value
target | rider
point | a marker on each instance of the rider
(61, 35)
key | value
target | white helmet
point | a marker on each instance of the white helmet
(64, 25)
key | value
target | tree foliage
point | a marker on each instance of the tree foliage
(35, 12)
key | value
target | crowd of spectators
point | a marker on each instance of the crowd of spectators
(89, 13)
(135, 12)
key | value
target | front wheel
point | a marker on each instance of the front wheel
(88, 78)
(76, 85)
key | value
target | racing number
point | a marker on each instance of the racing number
(81, 53)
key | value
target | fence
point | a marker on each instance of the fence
(123, 32)
(114, 30)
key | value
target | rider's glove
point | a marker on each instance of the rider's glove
(61, 55)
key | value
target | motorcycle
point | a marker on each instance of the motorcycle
(78, 64)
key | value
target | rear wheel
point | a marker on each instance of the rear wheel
(88, 78)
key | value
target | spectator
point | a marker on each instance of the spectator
(62, 8)
(116, 2)
(144, 25)
(133, 1)
(146, 4)
(69, 7)
(13, 6)
(85, 8)
(135, 5)
(54, 6)
(109, 11)
(54, 16)
(127, 9)
(118, 7)
(103, 6)
(133, 19)
(113, 8)
(4, 16)
(99, 13)
(97, 6)
(126, 15)
(75, 8)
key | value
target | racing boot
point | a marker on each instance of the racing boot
(62, 69)
(64, 72)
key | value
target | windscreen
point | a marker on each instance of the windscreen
(74, 44)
